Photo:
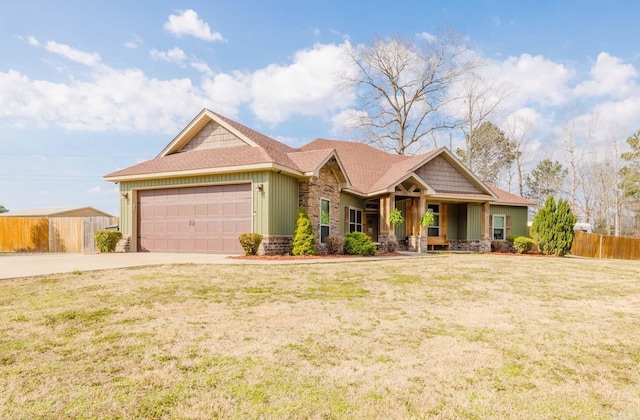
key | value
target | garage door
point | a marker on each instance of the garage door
(194, 219)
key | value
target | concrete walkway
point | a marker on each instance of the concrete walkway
(26, 265)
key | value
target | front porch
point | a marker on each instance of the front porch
(458, 225)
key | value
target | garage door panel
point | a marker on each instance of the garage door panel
(194, 219)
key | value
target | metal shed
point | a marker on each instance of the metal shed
(60, 229)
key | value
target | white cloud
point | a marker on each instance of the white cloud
(346, 120)
(188, 23)
(202, 67)
(174, 55)
(427, 36)
(609, 77)
(134, 43)
(308, 86)
(538, 80)
(129, 100)
(82, 57)
(226, 92)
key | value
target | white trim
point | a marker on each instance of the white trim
(439, 214)
(504, 228)
(208, 171)
(320, 224)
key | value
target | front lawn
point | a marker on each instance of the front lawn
(456, 336)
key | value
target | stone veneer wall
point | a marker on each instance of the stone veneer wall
(311, 191)
(275, 244)
(470, 245)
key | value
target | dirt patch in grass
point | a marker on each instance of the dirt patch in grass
(457, 336)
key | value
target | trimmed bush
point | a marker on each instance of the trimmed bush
(334, 244)
(358, 243)
(304, 241)
(106, 240)
(511, 238)
(522, 244)
(250, 242)
(392, 246)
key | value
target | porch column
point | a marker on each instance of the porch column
(422, 231)
(485, 229)
(415, 217)
(387, 204)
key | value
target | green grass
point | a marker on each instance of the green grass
(456, 336)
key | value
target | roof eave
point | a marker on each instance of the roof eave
(208, 171)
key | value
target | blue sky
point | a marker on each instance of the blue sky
(87, 88)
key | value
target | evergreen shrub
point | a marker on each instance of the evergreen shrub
(304, 241)
(522, 244)
(358, 243)
(250, 242)
(106, 240)
(552, 228)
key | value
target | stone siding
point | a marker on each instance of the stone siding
(470, 245)
(275, 245)
(310, 192)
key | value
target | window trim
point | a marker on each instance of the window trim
(328, 225)
(435, 226)
(355, 223)
(504, 227)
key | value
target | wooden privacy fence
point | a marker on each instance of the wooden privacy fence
(601, 246)
(51, 234)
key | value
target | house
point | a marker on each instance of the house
(52, 229)
(217, 179)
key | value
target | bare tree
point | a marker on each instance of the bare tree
(520, 131)
(481, 99)
(403, 88)
(492, 152)
(575, 138)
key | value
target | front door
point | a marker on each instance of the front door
(372, 226)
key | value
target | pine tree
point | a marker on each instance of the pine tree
(552, 227)
(304, 241)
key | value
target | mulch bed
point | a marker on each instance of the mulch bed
(308, 257)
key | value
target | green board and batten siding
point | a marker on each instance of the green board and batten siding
(474, 219)
(519, 217)
(274, 208)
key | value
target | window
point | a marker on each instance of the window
(355, 220)
(499, 227)
(325, 218)
(434, 229)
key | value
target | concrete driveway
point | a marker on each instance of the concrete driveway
(25, 265)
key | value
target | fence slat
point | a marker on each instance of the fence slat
(602, 246)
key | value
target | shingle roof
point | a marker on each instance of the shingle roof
(310, 160)
(505, 197)
(198, 159)
(367, 169)
(364, 164)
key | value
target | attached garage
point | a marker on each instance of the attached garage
(194, 219)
